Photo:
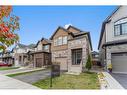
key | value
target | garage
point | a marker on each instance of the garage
(38, 62)
(63, 63)
(119, 62)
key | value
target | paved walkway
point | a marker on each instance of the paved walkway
(33, 77)
(121, 78)
(96, 69)
(10, 83)
(20, 70)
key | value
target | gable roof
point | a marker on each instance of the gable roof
(48, 41)
(57, 30)
(104, 23)
(21, 45)
(74, 34)
(31, 46)
(74, 28)
(80, 34)
(37, 44)
(67, 30)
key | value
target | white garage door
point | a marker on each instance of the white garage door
(119, 63)
(63, 63)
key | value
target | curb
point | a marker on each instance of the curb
(108, 82)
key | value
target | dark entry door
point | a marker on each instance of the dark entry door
(38, 62)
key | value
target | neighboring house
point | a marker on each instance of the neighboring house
(20, 54)
(7, 57)
(70, 47)
(95, 58)
(42, 54)
(113, 41)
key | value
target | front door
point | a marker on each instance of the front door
(76, 56)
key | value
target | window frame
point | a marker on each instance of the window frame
(75, 59)
(59, 41)
(121, 30)
(123, 33)
(46, 47)
(63, 42)
(115, 34)
(55, 42)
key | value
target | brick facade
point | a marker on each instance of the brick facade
(76, 44)
(76, 40)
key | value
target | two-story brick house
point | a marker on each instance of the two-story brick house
(113, 41)
(42, 55)
(70, 47)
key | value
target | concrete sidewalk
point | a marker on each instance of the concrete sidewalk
(20, 70)
(10, 83)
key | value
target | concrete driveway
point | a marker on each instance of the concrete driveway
(121, 78)
(33, 77)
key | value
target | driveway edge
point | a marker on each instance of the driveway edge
(108, 82)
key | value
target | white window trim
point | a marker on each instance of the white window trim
(120, 23)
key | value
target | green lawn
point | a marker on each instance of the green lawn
(24, 73)
(8, 68)
(65, 81)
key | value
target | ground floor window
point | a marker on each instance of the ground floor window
(76, 56)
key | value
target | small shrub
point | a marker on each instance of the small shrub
(88, 63)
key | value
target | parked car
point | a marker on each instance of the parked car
(4, 64)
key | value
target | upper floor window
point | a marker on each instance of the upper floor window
(120, 27)
(60, 41)
(65, 40)
(46, 47)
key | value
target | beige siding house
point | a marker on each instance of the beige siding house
(113, 41)
(70, 47)
(20, 54)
